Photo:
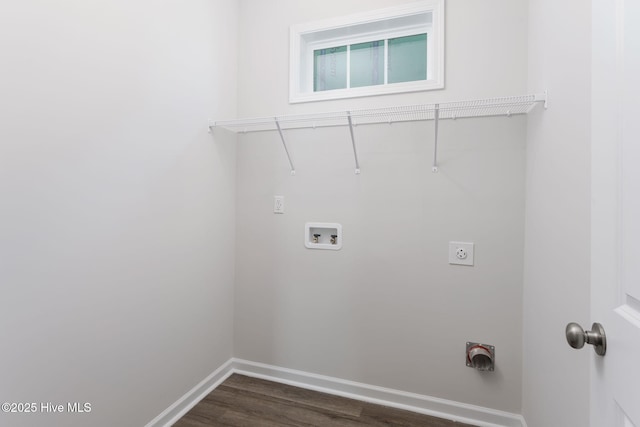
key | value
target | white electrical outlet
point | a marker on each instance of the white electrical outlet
(278, 204)
(461, 253)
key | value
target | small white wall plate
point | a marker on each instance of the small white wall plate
(320, 235)
(278, 204)
(461, 253)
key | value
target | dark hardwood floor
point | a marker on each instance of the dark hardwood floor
(245, 401)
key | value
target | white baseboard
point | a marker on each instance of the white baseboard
(448, 409)
(173, 413)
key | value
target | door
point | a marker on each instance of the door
(615, 213)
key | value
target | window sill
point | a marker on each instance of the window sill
(425, 85)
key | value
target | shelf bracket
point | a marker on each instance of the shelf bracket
(436, 119)
(284, 144)
(542, 97)
(353, 142)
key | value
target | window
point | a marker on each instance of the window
(391, 50)
(363, 64)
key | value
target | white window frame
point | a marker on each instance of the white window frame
(340, 31)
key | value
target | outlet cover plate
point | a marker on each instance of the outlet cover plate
(278, 204)
(461, 253)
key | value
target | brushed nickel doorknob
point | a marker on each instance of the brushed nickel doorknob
(577, 337)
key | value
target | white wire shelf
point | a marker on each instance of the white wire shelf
(490, 107)
(505, 106)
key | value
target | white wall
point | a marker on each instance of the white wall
(387, 309)
(557, 251)
(117, 231)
